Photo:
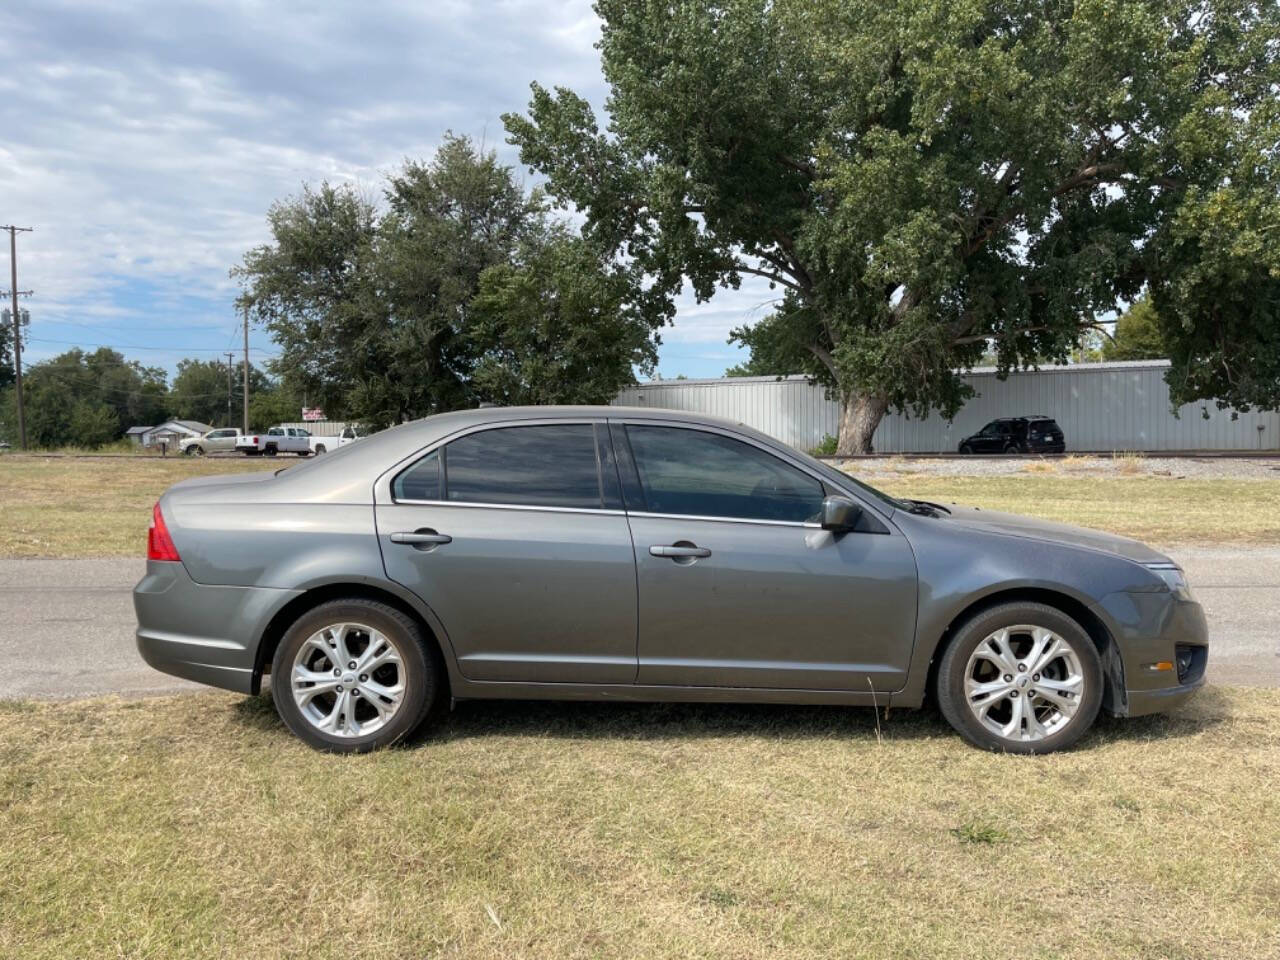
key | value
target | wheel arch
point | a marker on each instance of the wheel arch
(283, 618)
(1113, 693)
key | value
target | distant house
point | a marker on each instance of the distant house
(172, 432)
(136, 433)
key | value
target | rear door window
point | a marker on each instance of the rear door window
(421, 481)
(697, 473)
(552, 465)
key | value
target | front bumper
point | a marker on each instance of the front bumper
(201, 632)
(1149, 628)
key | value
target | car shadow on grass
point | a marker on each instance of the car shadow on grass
(673, 721)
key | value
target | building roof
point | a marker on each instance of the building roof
(133, 430)
(194, 426)
(975, 371)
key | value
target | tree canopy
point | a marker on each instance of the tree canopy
(460, 288)
(87, 399)
(199, 392)
(924, 181)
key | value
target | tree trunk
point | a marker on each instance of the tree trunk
(860, 414)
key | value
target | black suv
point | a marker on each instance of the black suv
(1016, 435)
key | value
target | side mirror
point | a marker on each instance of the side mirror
(840, 514)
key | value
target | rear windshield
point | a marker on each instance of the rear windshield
(1044, 426)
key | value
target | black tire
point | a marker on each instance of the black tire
(966, 449)
(1011, 448)
(955, 660)
(270, 451)
(319, 449)
(422, 673)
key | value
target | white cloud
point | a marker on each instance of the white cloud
(146, 142)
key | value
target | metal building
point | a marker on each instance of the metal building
(1102, 407)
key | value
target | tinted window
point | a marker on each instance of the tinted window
(992, 429)
(705, 474)
(543, 466)
(421, 481)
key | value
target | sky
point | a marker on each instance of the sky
(144, 143)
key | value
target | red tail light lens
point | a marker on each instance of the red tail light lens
(159, 543)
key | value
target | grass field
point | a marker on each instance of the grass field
(196, 826)
(63, 507)
(99, 507)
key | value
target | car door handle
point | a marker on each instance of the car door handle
(679, 551)
(422, 538)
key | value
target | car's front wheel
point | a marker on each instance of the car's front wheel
(195, 450)
(966, 449)
(1022, 678)
(353, 675)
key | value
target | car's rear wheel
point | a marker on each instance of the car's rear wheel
(319, 448)
(271, 450)
(353, 675)
(1022, 678)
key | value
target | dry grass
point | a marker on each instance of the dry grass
(1154, 508)
(98, 507)
(1128, 462)
(197, 826)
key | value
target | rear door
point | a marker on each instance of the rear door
(517, 540)
(739, 587)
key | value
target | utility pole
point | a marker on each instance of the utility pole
(17, 327)
(246, 371)
(230, 357)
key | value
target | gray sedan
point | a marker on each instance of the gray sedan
(612, 553)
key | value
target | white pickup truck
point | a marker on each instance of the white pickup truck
(276, 440)
(327, 443)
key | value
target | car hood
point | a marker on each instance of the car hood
(1010, 524)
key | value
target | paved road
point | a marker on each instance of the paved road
(79, 615)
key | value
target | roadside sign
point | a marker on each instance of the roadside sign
(312, 413)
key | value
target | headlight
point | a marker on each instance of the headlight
(1174, 578)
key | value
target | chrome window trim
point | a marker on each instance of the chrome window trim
(692, 516)
(537, 508)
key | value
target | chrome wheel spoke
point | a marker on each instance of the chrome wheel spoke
(1013, 729)
(985, 694)
(996, 650)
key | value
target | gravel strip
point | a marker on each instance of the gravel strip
(1200, 468)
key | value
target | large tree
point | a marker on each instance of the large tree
(925, 180)
(420, 306)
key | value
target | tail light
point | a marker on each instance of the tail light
(159, 543)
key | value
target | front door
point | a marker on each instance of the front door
(522, 550)
(738, 587)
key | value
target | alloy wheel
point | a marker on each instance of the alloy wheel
(348, 680)
(1024, 683)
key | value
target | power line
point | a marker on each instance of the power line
(132, 346)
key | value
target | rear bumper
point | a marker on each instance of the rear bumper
(205, 633)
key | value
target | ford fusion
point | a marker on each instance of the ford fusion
(607, 553)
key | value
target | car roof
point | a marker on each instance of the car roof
(457, 419)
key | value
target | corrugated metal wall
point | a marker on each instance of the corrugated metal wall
(1100, 406)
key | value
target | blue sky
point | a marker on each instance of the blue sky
(145, 142)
